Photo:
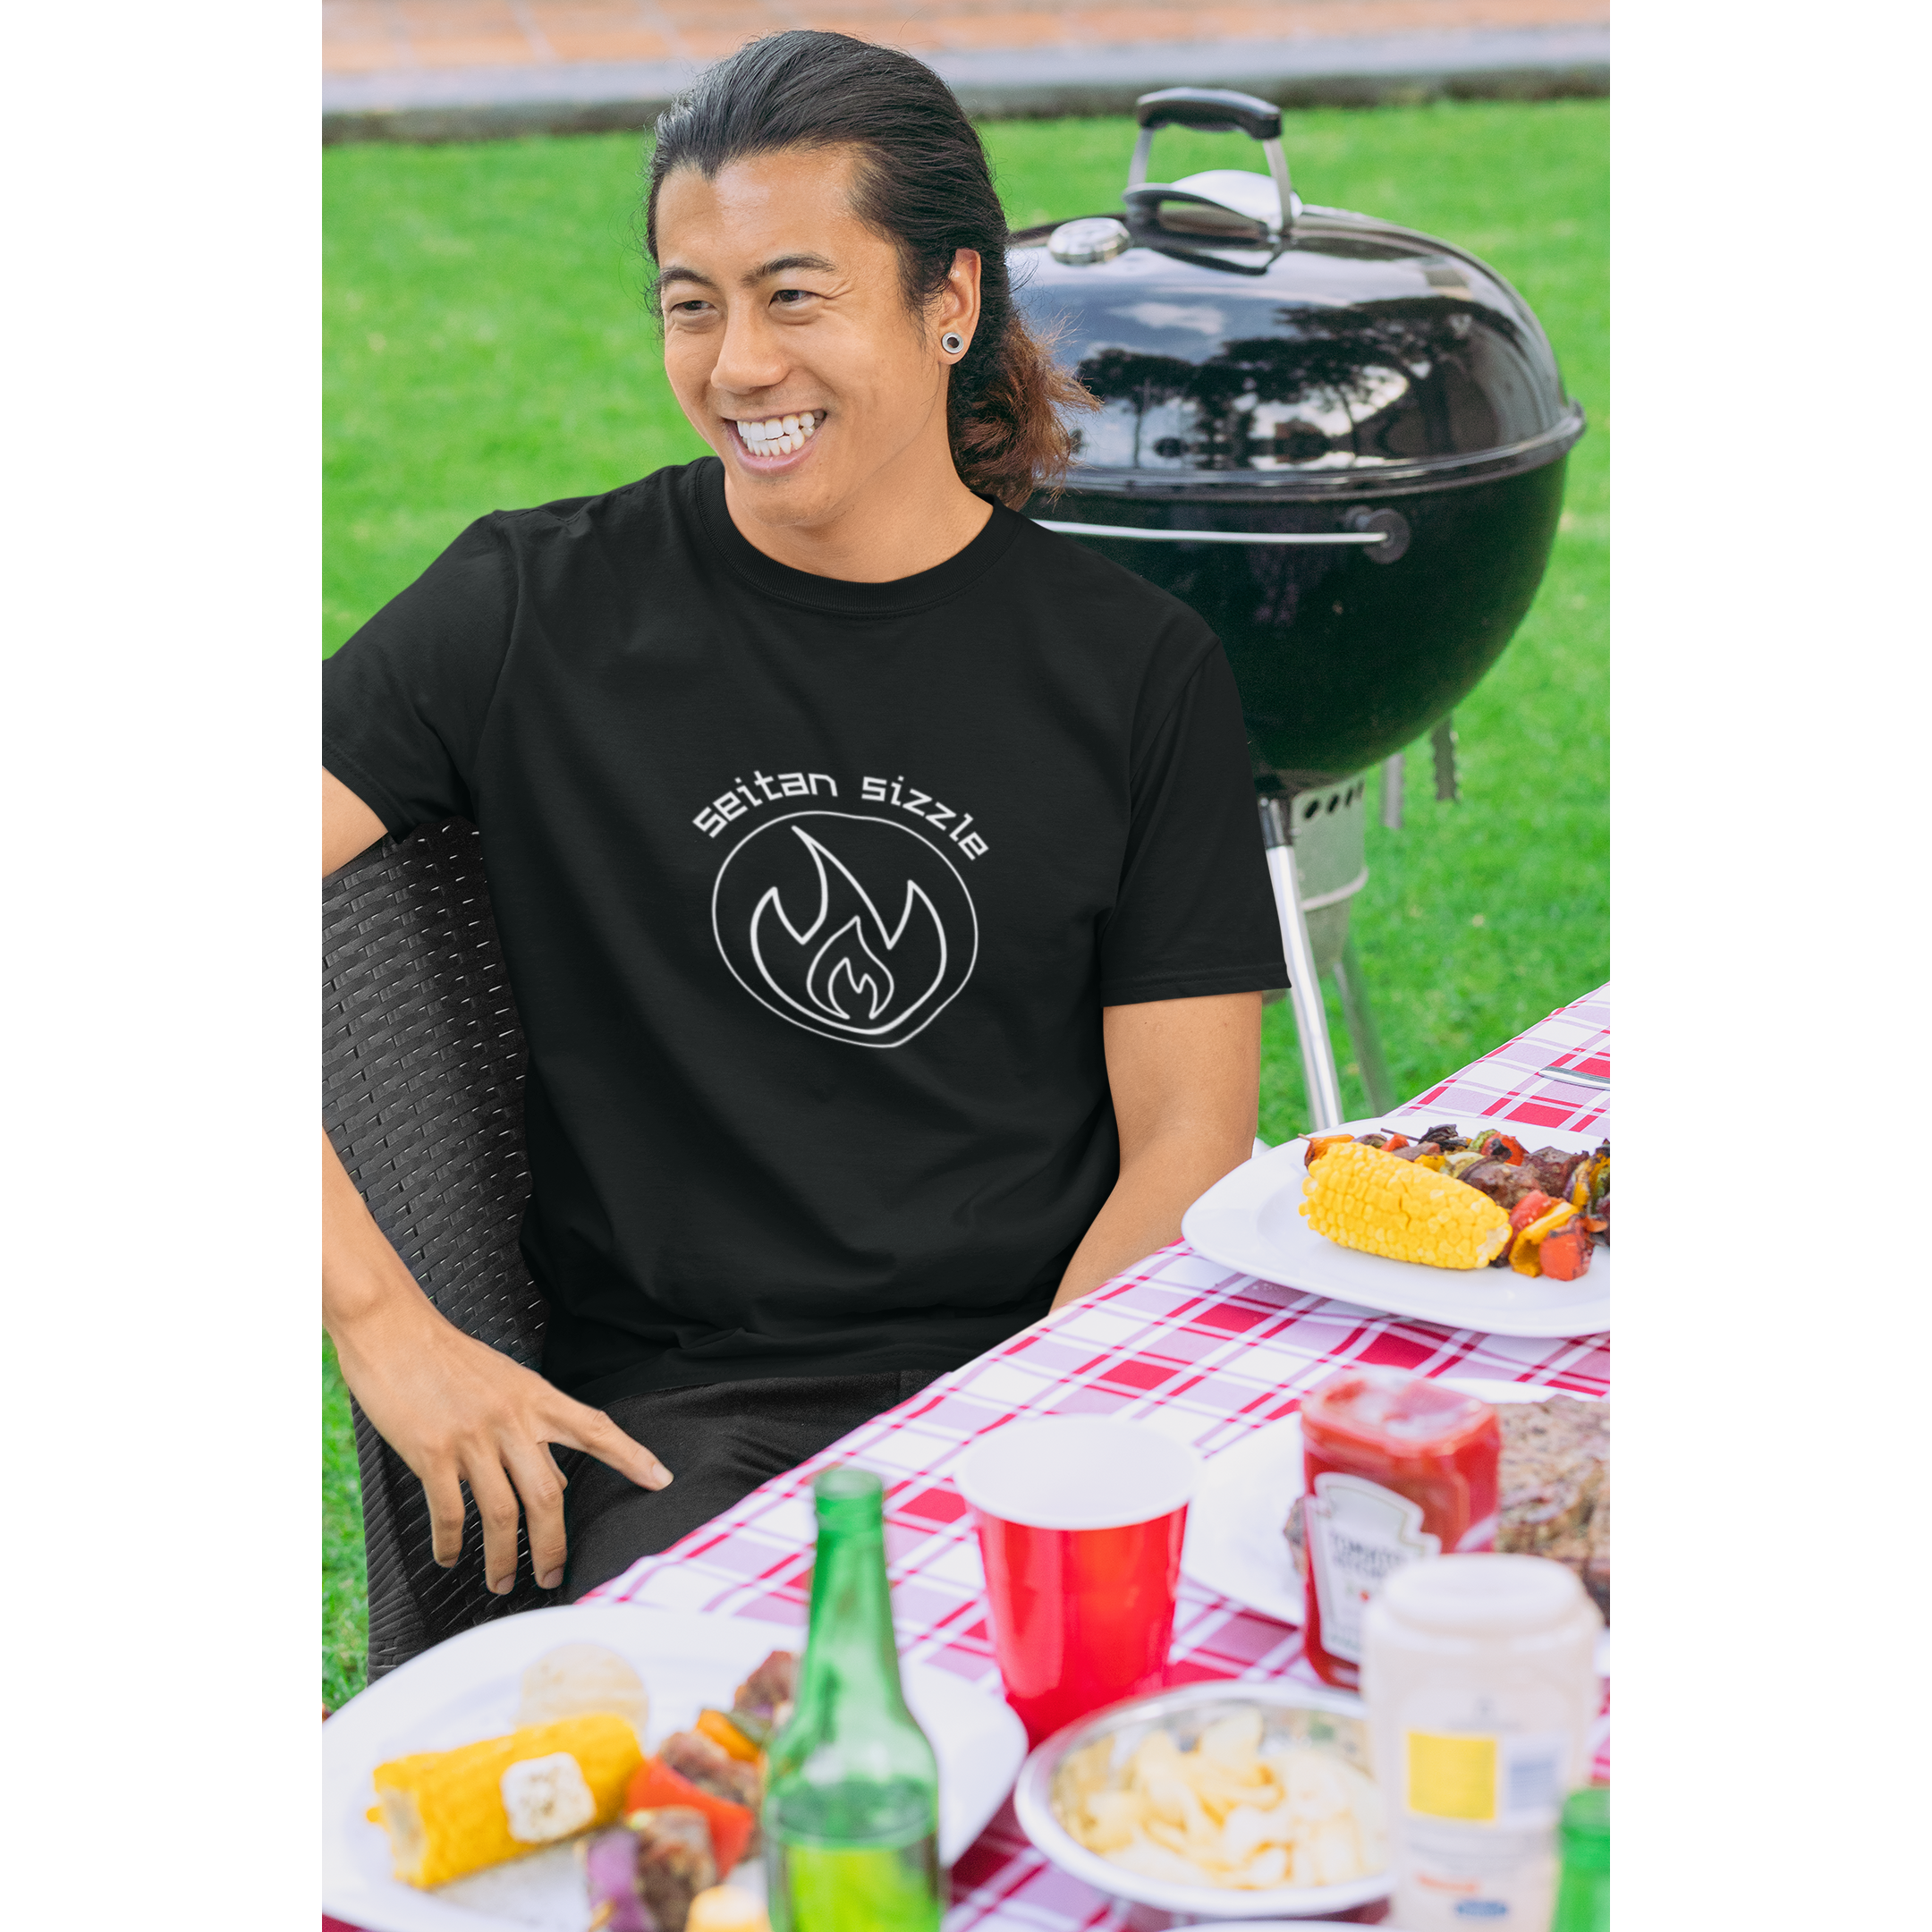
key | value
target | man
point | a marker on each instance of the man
(878, 874)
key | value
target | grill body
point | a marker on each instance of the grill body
(1341, 660)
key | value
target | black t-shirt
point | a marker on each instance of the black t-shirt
(811, 893)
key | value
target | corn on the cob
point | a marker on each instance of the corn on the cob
(451, 1812)
(1365, 1198)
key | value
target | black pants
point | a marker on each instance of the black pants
(719, 1442)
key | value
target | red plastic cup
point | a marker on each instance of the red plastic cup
(1080, 1520)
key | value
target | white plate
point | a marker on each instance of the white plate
(1234, 1542)
(1251, 1220)
(468, 1688)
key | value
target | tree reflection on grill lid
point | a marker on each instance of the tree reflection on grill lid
(1353, 348)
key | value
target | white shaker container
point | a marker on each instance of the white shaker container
(1481, 1679)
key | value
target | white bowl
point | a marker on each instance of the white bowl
(1186, 1713)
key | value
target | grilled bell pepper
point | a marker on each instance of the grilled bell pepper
(1525, 1254)
(1566, 1254)
(724, 1732)
(656, 1787)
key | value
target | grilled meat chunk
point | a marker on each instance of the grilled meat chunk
(764, 1699)
(1554, 1170)
(1552, 1486)
(673, 1862)
(712, 1768)
(1503, 1184)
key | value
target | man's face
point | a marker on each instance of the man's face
(787, 338)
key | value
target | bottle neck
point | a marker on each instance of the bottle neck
(852, 1768)
(850, 1656)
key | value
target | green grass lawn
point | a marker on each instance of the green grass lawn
(344, 1581)
(486, 347)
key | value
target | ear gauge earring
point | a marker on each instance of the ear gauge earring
(952, 341)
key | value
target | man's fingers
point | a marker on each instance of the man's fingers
(540, 1483)
(444, 1495)
(592, 1431)
(496, 1503)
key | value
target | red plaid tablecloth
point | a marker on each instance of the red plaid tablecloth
(1178, 1342)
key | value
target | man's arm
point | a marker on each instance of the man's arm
(1186, 1078)
(453, 1408)
(348, 826)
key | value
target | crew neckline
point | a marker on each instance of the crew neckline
(898, 596)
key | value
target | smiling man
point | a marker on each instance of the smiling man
(878, 874)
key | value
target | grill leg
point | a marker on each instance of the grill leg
(1442, 741)
(1304, 988)
(1361, 1027)
(1392, 790)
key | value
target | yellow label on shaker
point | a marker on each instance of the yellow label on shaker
(1452, 1777)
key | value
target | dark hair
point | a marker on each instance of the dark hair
(923, 181)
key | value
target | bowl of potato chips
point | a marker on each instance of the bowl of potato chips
(1216, 1801)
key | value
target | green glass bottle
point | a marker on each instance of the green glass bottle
(852, 1788)
(1584, 1897)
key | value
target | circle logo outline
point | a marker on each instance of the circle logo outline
(801, 1017)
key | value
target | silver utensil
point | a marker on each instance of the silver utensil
(1570, 1073)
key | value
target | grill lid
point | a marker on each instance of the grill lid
(1242, 343)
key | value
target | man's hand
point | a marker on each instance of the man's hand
(453, 1408)
(1186, 1079)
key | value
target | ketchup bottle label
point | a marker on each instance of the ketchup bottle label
(1359, 1534)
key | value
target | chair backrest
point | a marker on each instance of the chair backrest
(423, 1061)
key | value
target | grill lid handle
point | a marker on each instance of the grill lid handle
(1211, 111)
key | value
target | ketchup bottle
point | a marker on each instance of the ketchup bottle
(1397, 1468)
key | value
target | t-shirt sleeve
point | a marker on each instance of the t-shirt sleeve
(404, 700)
(1196, 911)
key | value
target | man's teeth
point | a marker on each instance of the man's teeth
(778, 436)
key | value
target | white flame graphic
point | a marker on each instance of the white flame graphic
(846, 965)
(871, 980)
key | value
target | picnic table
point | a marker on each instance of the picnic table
(1181, 1344)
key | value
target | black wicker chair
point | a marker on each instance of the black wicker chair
(423, 1061)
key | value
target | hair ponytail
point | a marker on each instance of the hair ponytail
(923, 181)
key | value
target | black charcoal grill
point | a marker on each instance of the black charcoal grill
(1341, 441)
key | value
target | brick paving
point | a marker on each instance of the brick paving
(370, 37)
